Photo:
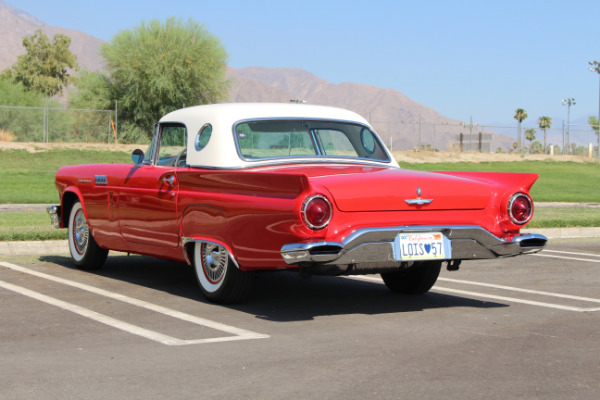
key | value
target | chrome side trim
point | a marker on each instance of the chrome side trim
(54, 212)
(187, 240)
(376, 245)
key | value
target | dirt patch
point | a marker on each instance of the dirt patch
(40, 147)
(411, 156)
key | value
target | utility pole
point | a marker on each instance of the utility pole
(595, 67)
(568, 102)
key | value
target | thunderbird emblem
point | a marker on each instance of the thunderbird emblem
(418, 201)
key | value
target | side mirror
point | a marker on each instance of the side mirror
(137, 156)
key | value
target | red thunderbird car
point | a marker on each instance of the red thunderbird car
(233, 189)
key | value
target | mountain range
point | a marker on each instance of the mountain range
(401, 122)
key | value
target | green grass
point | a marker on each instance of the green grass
(565, 217)
(28, 226)
(28, 178)
(558, 181)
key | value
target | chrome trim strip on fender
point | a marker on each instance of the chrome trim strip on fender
(187, 240)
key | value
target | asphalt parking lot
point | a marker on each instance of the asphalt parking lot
(524, 327)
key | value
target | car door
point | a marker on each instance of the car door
(148, 200)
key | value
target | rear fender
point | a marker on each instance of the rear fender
(516, 181)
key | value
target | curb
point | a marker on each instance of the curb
(566, 233)
(62, 246)
(34, 248)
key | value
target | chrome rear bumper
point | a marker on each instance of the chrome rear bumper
(376, 246)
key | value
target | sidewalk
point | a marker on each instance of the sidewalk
(62, 246)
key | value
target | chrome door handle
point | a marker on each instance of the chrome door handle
(170, 180)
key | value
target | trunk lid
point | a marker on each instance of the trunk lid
(391, 189)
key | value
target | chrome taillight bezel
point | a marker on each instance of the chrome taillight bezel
(305, 205)
(511, 201)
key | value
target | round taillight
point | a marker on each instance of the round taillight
(520, 208)
(316, 212)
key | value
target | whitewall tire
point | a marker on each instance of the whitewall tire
(85, 252)
(219, 278)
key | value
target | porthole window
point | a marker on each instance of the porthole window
(367, 140)
(203, 137)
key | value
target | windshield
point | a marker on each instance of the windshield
(257, 140)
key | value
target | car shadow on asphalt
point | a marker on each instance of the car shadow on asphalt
(281, 296)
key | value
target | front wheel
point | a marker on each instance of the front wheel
(219, 279)
(85, 252)
(416, 280)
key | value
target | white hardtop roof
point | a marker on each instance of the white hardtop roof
(221, 151)
(234, 112)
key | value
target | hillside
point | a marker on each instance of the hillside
(15, 24)
(401, 122)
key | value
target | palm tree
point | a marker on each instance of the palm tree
(530, 135)
(593, 122)
(544, 123)
(520, 115)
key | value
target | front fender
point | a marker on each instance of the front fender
(69, 197)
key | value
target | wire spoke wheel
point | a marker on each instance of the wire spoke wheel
(214, 262)
(219, 278)
(85, 252)
(80, 232)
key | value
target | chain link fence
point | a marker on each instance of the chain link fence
(47, 125)
(469, 136)
(43, 124)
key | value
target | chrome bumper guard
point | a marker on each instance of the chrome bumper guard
(375, 245)
(54, 212)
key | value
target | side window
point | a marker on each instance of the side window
(336, 143)
(203, 137)
(173, 142)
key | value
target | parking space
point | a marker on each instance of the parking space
(523, 327)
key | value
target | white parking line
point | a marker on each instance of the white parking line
(238, 334)
(516, 300)
(572, 252)
(504, 298)
(565, 258)
(514, 289)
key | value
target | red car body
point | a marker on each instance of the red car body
(325, 216)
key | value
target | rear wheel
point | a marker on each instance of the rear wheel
(219, 278)
(416, 280)
(85, 252)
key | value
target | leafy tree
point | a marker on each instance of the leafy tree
(544, 123)
(153, 69)
(44, 68)
(520, 115)
(26, 124)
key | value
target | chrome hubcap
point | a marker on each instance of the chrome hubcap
(81, 232)
(214, 262)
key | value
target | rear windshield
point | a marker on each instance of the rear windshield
(257, 140)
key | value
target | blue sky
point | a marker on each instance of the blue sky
(462, 58)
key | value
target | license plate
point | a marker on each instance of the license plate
(422, 246)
